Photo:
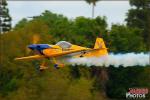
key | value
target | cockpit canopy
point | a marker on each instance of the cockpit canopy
(64, 44)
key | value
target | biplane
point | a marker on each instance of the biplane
(62, 50)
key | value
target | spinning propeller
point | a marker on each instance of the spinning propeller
(35, 40)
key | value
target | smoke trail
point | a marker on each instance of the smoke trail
(128, 59)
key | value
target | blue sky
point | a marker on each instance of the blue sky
(115, 11)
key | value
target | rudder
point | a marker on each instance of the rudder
(100, 45)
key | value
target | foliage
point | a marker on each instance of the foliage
(5, 19)
(121, 79)
(129, 39)
(139, 17)
(21, 23)
(21, 81)
(92, 1)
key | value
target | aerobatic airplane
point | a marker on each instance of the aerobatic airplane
(62, 50)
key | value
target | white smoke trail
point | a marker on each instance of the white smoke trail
(128, 59)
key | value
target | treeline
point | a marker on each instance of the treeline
(21, 80)
(83, 31)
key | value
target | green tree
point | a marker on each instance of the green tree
(121, 79)
(5, 19)
(125, 39)
(20, 81)
(139, 17)
(21, 23)
(87, 28)
(93, 5)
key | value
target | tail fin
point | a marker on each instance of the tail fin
(100, 45)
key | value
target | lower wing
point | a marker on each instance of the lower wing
(68, 53)
(30, 57)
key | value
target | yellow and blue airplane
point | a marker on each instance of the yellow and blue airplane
(64, 49)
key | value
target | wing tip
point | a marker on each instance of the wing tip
(17, 59)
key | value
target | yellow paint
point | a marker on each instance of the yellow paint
(56, 51)
(31, 57)
(99, 50)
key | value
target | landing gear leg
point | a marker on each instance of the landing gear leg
(43, 66)
(56, 66)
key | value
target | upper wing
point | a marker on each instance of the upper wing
(30, 57)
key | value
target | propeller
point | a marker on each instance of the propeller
(35, 40)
